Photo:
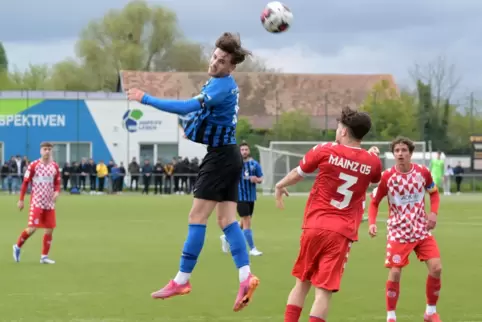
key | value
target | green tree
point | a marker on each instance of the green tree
(295, 126)
(392, 113)
(35, 77)
(70, 75)
(138, 37)
(3, 58)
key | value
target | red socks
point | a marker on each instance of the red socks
(433, 290)
(292, 313)
(391, 295)
(315, 319)
(46, 244)
(22, 239)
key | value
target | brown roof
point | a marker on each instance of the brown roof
(264, 96)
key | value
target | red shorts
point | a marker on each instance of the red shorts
(322, 258)
(41, 218)
(397, 253)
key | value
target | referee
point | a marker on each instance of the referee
(250, 177)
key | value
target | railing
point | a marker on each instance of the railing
(183, 183)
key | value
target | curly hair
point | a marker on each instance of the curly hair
(403, 140)
(357, 123)
(231, 43)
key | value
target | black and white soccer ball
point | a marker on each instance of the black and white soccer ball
(276, 17)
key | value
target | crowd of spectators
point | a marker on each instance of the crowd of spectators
(177, 176)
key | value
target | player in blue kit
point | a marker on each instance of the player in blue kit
(210, 118)
(251, 175)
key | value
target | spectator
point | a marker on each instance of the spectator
(102, 172)
(134, 170)
(15, 173)
(193, 169)
(115, 175)
(177, 171)
(146, 170)
(109, 177)
(169, 171)
(92, 174)
(458, 173)
(75, 175)
(158, 172)
(122, 170)
(84, 172)
(17, 177)
(66, 172)
(447, 182)
(4, 173)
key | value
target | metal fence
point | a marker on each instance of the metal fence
(184, 183)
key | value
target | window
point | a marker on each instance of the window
(71, 152)
(146, 152)
(166, 152)
(163, 151)
(59, 153)
(79, 151)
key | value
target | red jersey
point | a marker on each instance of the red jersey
(45, 179)
(338, 193)
(405, 192)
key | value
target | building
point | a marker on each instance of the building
(102, 126)
(265, 96)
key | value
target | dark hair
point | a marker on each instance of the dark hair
(46, 145)
(231, 43)
(358, 123)
(244, 143)
(403, 140)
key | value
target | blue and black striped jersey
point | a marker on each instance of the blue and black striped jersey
(215, 123)
(247, 189)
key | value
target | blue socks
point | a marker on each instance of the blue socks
(248, 234)
(237, 243)
(192, 247)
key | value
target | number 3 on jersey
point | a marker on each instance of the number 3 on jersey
(344, 190)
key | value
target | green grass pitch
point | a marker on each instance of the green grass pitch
(113, 251)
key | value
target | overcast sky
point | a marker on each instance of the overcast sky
(342, 36)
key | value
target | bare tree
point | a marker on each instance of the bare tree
(441, 75)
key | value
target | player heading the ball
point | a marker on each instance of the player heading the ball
(409, 226)
(210, 118)
(44, 175)
(333, 211)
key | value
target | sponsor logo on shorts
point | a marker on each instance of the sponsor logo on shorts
(396, 259)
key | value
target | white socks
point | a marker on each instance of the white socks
(431, 309)
(182, 278)
(244, 273)
(391, 315)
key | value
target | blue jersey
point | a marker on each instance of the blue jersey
(247, 189)
(215, 123)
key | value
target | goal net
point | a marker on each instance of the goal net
(281, 157)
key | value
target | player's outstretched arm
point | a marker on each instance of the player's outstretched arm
(376, 197)
(280, 188)
(290, 179)
(180, 107)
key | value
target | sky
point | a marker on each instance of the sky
(343, 36)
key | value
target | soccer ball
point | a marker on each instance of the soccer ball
(276, 17)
